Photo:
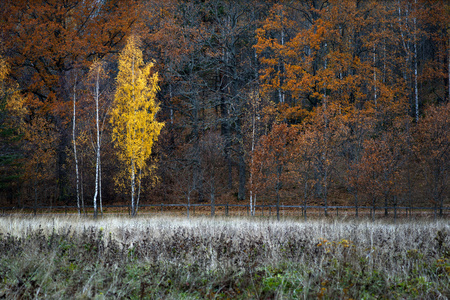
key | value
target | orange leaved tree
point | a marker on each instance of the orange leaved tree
(432, 150)
(271, 159)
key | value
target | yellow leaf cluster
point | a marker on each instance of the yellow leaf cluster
(14, 100)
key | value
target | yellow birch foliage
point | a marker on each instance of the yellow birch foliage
(135, 127)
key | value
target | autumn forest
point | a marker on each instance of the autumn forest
(317, 102)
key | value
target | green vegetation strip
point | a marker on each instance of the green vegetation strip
(173, 258)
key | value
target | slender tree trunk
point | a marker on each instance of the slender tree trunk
(97, 152)
(405, 43)
(416, 91)
(171, 109)
(75, 145)
(225, 125)
(252, 210)
(325, 177)
(241, 165)
(386, 196)
(35, 195)
(325, 88)
(384, 61)
(82, 194)
(325, 192)
(373, 208)
(100, 185)
(133, 174)
(305, 197)
(395, 209)
(189, 204)
(133, 183)
(279, 170)
(229, 165)
(213, 201)
(139, 190)
(375, 77)
(197, 170)
(100, 162)
(386, 205)
(435, 210)
(251, 198)
(438, 199)
(408, 168)
(410, 195)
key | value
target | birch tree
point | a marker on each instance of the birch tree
(133, 116)
(96, 73)
(74, 143)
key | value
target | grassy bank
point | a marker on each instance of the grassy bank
(175, 258)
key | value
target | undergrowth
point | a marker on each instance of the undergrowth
(172, 258)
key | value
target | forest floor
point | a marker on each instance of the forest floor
(222, 258)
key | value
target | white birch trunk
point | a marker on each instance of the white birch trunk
(133, 182)
(75, 145)
(251, 198)
(252, 211)
(96, 96)
(133, 171)
(139, 190)
(100, 184)
(100, 164)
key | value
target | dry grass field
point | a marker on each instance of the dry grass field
(222, 258)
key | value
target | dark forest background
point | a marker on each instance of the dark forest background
(326, 102)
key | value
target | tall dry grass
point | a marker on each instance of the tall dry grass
(169, 257)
